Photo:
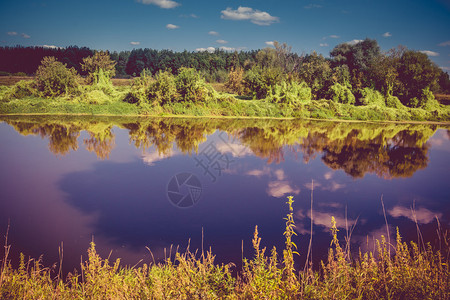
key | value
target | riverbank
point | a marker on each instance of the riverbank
(412, 271)
(227, 106)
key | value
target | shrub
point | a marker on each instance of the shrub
(370, 96)
(22, 89)
(236, 81)
(138, 89)
(341, 94)
(53, 78)
(394, 102)
(259, 82)
(100, 60)
(20, 74)
(163, 89)
(102, 82)
(95, 97)
(190, 86)
(290, 93)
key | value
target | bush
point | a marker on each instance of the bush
(54, 79)
(259, 82)
(95, 97)
(163, 89)
(394, 102)
(102, 82)
(236, 81)
(290, 93)
(341, 94)
(20, 74)
(190, 86)
(100, 60)
(370, 96)
(138, 89)
(22, 89)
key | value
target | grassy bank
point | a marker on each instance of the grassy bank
(187, 94)
(397, 271)
(226, 105)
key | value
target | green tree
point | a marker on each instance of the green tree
(416, 73)
(100, 60)
(361, 59)
(53, 78)
(316, 72)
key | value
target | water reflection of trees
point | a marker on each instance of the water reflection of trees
(387, 150)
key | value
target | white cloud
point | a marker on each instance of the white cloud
(333, 36)
(387, 34)
(280, 188)
(229, 49)
(135, 43)
(353, 42)
(269, 43)
(161, 3)
(194, 16)
(209, 49)
(212, 32)
(323, 219)
(258, 172)
(443, 44)
(51, 47)
(323, 45)
(247, 13)
(171, 26)
(430, 53)
(309, 6)
(25, 36)
(151, 158)
(328, 175)
(334, 186)
(445, 68)
(222, 42)
(423, 215)
(280, 174)
(11, 33)
(236, 150)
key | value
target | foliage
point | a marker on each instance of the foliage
(341, 94)
(290, 93)
(162, 90)
(259, 82)
(191, 87)
(139, 87)
(416, 73)
(361, 58)
(99, 61)
(235, 81)
(53, 79)
(371, 97)
(22, 89)
(394, 102)
(316, 71)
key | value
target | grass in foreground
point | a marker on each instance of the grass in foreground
(411, 273)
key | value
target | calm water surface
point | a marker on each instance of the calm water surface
(130, 183)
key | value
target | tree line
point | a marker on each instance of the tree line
(353, 67)
(213, 65)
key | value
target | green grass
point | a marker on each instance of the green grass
(412, 272)
(101, 101)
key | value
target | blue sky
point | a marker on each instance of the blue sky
(306, 25)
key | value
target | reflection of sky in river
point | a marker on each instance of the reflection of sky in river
(122, 201)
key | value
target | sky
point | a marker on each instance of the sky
(306, 25)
